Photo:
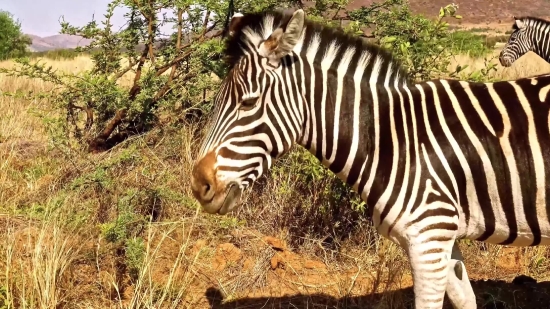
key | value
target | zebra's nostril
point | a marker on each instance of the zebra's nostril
(207, 193)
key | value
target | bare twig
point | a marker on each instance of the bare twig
(89, 114)
(167, 87)
(164, 68)
(135, 87)
(125, 70)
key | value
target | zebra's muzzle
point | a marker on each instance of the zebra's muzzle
(214, 196)
(505, 61)
(220, 202)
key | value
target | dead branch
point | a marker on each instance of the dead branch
(135, 87)
(89, 114)
(99, 142)
(111, 126)
(205, 23)
(89, 117)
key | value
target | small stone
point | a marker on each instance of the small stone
(275, 243)
(226, 253)
(310, 264)
(274, 262)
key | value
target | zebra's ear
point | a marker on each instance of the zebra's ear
(234, 23)
(519, 23)
(281, 42)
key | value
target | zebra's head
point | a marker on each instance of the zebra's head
(246, 132)
(519, 43)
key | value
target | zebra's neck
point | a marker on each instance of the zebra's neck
(542, 47)
(539, 33)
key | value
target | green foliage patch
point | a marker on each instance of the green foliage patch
(13, 43)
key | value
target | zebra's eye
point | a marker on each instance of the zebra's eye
(249, 103)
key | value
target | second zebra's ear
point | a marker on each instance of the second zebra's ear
(234, 23)
(519, 23)
(281, 42)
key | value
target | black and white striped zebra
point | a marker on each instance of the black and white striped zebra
(435, 161)
(530, 34)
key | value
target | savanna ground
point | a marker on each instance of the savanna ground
(120, 230)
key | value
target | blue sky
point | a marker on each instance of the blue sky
(41, 17)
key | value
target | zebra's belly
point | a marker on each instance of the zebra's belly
(526, 230)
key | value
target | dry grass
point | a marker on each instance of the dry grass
(59, 213)
(528, 65)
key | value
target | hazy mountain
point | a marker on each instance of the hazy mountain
(478, 12)
(58, 41)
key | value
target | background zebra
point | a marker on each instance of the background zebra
(435, 161)
(530, 34)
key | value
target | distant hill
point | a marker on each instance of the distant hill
(59, 41)
(476, 12)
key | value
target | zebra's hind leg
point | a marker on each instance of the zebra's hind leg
(459, 289)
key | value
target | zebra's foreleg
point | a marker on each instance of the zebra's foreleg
(429, 246)
(459, 289)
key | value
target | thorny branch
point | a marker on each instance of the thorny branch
(183, 51)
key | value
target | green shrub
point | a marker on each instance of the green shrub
(13, 43)
(469, 43)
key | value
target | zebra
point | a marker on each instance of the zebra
(530, 34)
(435, 161)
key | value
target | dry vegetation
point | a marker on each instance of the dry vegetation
(62, 215)
(526, 66)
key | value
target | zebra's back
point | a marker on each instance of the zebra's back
(488, 149)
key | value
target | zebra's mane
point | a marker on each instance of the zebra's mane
(530, 21)
(254, 28)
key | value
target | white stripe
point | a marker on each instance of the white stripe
(326, 63)
(343, 68)
(357, 79)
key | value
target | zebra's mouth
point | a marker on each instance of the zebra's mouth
(505, 61)
(232, 196)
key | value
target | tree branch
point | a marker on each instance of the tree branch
(98, 143)
(164, 68)
(125, 70)
(135, 87)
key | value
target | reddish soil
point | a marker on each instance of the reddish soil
(291, 280)
(250, 270)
